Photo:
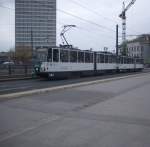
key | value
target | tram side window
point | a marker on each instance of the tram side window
(106, 58)
(122, 60)
(128, 61)
(64, 56)
(102, 58)
(113, 59)
(73, 56)
(81, 57)
(91, 57)
(110, 59)
(87, 57)
(98, 58)
(142, 61)
(119, 59)
(49, 58)
(55, 55)
(132, 60)
(138, 61)
(125, 60)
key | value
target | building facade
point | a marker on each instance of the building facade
(35, 23)
(139, 47)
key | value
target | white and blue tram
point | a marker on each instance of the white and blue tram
(66, 62)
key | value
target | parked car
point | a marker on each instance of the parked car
(8, 63)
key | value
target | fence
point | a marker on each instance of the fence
(15, 71)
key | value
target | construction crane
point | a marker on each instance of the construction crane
(66, 28)
(123, 17)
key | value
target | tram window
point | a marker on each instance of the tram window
(81, 57)
(125, 60)
(142, 61)
(113, 59)
(64, 56)
(138, 61)
(102, 58)
(106, 58)
(134, 61)
(87, 57)
(91, 57)
(49, 58)
(97, 58)
(55, 55)
(122, 60)
(119, 59)
(73, 56)
(130, 61)
(109, 59)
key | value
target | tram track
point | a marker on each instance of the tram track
(11, 87)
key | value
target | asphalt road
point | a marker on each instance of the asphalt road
(111, 114)
(25, 85)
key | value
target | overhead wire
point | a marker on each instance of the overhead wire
(75, 16)
(96, 13)
(86, 20)
(92, 11)
(91, 36)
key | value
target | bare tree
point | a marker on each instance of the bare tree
(24, 54)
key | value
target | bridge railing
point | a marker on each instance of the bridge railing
(15, 71)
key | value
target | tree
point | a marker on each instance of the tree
(11, 55)
(23, 54)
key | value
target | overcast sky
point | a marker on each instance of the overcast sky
(104, 13)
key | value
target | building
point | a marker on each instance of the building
(35, 23)
(139, 47)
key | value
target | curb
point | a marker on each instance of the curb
(14, 79)
(45, 90)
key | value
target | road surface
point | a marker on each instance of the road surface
(7, 87)
(111, 114)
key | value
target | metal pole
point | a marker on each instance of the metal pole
(117, 40)
(32, 43)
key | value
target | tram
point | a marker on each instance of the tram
(59, 62)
